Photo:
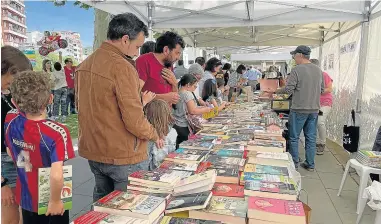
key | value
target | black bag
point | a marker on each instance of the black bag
(351, 135)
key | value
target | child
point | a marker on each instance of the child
(209, 94)
(59, 92)
(159, 115)
(34, 142)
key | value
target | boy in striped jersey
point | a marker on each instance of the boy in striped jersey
(34, 142)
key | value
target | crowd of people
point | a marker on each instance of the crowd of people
(126, 108)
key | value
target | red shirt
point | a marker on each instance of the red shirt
(69, 73)
(34, 145)
(149, 69)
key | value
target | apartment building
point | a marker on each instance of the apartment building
(13, 22)
(74, 48)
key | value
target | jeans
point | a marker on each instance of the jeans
(8, 169)
(60, 96)
(308, 123)
(182, 134)
(321, 128)
(70, 100)
(109, 177)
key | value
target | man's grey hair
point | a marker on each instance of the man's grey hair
(315, 62)
(126, 24)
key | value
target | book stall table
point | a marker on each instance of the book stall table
(235, 170)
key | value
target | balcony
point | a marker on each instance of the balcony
(13, 19)
(14, 31)
(15, 9)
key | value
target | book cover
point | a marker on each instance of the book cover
(266, 169)
(189, 201)
(93, 217)
(217, 160)
(228, 190)
(271, 155)
(238, 138)
(178, 166)
(44, 188)
(237, 147)
(203, 166)
(227, 206)
(130, 200)
(227, 172)
(276, 144)
(197, 143)
(159, 175)
(175, 220)
(228, 153)
(272, 187)
(291, 208)
(264, 177)
(208, 175)
(191, 151)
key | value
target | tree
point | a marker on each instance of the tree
(63, 2)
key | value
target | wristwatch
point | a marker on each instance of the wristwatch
(4, 182)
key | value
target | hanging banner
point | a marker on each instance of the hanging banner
(31, 55)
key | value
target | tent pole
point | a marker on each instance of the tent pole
(362, 57)
(321, 47)
(150, 22)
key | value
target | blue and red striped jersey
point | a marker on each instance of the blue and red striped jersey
(33, 145)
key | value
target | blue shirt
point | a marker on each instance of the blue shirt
(252, 74)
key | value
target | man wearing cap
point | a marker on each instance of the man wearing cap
(305, 83)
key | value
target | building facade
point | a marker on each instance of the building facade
(13, 22)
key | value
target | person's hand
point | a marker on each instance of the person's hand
(55, 208)
(169, 76)
(160, 143)
(148, 97)
(172, 97)
(7, 198)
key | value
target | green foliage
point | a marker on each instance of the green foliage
(76, 3)
(228, 56)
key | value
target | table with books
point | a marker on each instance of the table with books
(234, 171)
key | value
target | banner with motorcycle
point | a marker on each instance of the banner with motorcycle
(51, 42)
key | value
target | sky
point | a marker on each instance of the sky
(42, 15)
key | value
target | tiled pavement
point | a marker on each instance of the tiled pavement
(320, 191)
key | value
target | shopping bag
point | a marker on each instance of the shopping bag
(351, 135)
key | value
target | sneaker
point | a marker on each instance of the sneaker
(305, 166)
(320, 149)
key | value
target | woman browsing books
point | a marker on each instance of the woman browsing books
(186, 104)
(210, 94)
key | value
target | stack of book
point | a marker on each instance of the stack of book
(234, 171)
(369, 158)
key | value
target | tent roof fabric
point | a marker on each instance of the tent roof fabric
(226, 23)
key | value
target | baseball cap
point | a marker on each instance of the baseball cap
(302, 50)
(195, 69)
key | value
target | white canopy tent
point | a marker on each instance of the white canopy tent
(344, 34)
(226, 23)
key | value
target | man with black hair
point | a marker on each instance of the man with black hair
(114, 132)
(180, 70)
(200, 61)
(147, 47)
(155, 69)
(69, 73)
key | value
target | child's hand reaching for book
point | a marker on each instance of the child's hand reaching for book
(55, 208)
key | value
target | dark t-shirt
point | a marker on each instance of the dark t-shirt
(5, 108)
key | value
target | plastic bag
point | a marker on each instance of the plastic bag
(373, 193)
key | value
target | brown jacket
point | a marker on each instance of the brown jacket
(112, 126)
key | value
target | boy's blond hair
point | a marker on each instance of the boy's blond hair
(31, 91)
(159, 115)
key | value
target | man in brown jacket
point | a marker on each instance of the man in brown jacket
(113, 132)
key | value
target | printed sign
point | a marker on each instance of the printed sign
(31, 55)
(347, 48)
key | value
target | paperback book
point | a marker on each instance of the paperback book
(178, 166)
(93, 217)
(228, 153)
(266, 169)
(175, 220)
(189, 202)
(44, 188)
(158, 177)
(285, 191)
(228, 190)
